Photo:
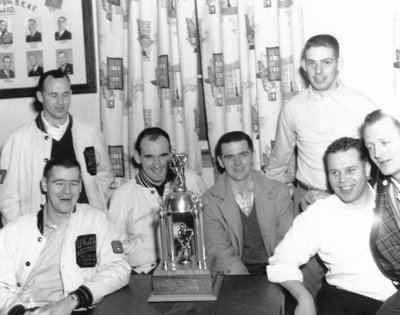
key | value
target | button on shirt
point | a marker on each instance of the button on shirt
(312, 122)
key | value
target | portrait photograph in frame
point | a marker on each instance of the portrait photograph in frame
(64, 26)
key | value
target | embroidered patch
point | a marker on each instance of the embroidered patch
(117, 247)
(3, 174)
(85, 250)
(90, 160)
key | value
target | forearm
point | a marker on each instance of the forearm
(305, 301)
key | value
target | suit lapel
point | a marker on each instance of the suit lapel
(230, 209)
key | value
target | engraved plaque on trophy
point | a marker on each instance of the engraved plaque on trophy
(183, 273)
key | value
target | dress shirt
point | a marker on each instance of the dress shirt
(312, 122)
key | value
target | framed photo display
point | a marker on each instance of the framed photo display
(41, 35)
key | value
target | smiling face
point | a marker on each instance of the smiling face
(322, 68)
(382, 139)
(347, 175)
(62, 187)
(56, 99)
(154, 159)
(237, 159)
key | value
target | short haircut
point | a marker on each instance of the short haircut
(56, 74)
(375, 116)
(62, 17)
(322, 40)
(233, 136)
(344, 144)
(153, 133)
(60, 162)
(32, 20)
(6, 57)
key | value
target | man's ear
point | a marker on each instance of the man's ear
(367, 169)
(303, 64)
(340, 63)
(221, 164)
(39, 96)
(136, 156)
(43, 184)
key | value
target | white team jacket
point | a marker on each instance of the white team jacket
(21, 243)
(24, 155)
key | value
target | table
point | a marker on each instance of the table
(244, 294)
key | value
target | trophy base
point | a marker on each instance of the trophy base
(185, 283)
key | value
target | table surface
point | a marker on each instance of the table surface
(245, 294)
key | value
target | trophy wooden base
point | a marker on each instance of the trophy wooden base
(185, 283)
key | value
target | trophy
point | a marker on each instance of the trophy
(183, 273)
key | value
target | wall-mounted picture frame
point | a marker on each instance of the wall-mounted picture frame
(43, 35)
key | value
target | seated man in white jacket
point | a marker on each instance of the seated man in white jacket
(337, 228)
(65, 257)
(135, 204)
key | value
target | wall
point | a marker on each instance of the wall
(363, 28)
(16, 112)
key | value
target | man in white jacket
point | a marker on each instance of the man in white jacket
(53, 134)
(338, 229)
(67, 256)
(134, 205)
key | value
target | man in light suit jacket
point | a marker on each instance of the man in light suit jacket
(245, 213)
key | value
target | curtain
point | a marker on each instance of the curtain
(149, 51)
(250, 58)
(148, 70)
(396, 50)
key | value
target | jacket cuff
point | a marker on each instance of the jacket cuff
(85, 297)
(17, 310)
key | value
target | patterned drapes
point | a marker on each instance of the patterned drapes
(148, 50)
(250, 56)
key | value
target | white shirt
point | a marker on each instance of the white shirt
(56, 132)
(340, 236)
(312, 122)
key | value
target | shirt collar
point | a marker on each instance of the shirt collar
(56, 132)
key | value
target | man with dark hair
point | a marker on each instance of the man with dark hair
(381, 133)
(135, 204)
(53, 134)
(63, 33)
(65, 257)
(310, 121)
(6, 72)
(338, 229)
(245, 213)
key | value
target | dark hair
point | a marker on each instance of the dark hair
(56, 74)
(153, 133)
(324, 40)
(6, 56)
(60, 162)
(233, 136)
(375, 116)
(344, 144)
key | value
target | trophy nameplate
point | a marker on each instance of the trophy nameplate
(183, 273)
